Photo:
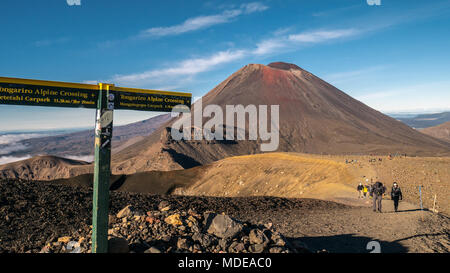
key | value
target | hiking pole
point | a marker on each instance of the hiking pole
(421, 205)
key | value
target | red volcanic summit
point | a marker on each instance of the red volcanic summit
(315, 117)
(284, 66)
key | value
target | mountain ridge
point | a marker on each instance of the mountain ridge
(441, 131)
(315, 117)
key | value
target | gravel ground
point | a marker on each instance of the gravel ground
(34, 214)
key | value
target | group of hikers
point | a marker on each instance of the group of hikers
(376, 192)
(351, 161)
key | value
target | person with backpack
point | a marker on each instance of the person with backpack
(369, 188)
(360, 189)
(396, 194)
(377, 191)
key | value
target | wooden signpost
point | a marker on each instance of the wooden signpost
(105, 98)
(434, 204)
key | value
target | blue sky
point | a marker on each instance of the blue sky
(393, 57)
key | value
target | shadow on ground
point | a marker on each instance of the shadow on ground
(407, 210)
(349, 243)
(421, 235)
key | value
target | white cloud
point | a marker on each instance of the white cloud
(322, 35)
(201, 22)
(189, 25)
(187, 67)
(184, 71)
(352, 75)
(10, 142)
(12, 138)
(253, 7)
(269, 46)
(292, 41)
(408, 98)
(14, 147)
(9, 159)
(87, 158)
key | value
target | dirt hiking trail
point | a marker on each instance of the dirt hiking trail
(350, 229)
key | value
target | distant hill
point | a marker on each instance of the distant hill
(441, 131)
(426, 120)
(45, 168)
(82, 143)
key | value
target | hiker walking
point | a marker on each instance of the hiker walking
(368, 188)
(360, 189)
(377, 191)
(365, 190)
(396, 194)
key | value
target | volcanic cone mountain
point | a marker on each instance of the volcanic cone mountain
(314, 117)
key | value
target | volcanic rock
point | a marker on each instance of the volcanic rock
(222, 226)
(256, 248)
(258, 237)
(215, 233)
(173, 220)
(152, 250)
(118, 245)
(164, 206)
(125, 212)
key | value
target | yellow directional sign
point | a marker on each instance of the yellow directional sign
(148, 100)
(62, 94)
(47, 93)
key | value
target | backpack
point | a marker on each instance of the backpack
(379, 188)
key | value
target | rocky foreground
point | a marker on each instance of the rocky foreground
(42, 217)
(173, 231)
